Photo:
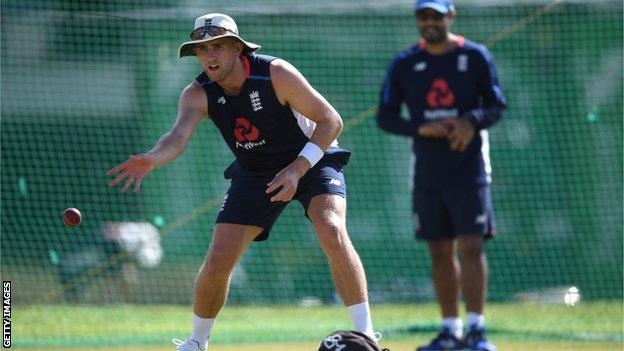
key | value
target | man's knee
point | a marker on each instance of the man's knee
(330, 224)
(229, 242)
(470, 246)
(218, 262)
(327, 213)
(332, 233)
(441, 250)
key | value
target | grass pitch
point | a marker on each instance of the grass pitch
(512, 326)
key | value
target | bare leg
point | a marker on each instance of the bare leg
(328, 215)
(229, 242)
(445, 276)
(474, 271)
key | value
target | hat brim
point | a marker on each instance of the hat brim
(186, 49)
(434, 6)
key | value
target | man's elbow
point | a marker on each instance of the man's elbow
(339, 124)
(383, 123)
(503, 110)
(332, 123)
(499, 112)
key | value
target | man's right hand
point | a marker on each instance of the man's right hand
(135, 169)
(433, 130)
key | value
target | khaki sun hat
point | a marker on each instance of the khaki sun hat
(210, 27)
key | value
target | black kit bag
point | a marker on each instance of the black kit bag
(348, 340)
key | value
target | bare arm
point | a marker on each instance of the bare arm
(193, 106)
(293, 89)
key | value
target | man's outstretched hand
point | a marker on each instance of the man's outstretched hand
(135, 169)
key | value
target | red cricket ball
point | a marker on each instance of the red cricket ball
(71, 217)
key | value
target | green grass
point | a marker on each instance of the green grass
(404, 345)
(135, 327)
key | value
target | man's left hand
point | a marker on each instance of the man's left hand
(288, 180)
(461, 132)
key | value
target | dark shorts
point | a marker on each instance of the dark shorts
(247, 203)
(445, 213)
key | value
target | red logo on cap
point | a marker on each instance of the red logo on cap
(245, 131)
(440, 95)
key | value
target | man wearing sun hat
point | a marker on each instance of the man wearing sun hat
(452, 93)
(282, 133)
(210, 27)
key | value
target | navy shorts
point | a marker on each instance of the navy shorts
(247, 202)
(446, 212)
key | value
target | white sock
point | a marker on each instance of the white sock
(454, 325)
(475, 320)
(361, 317)
(201, 329)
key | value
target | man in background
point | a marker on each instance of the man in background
(452, 93)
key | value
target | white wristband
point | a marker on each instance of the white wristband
(312, 153)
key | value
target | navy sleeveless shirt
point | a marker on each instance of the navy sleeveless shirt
(264, 135)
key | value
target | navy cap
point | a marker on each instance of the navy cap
(441, 6)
